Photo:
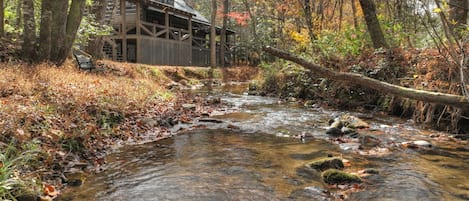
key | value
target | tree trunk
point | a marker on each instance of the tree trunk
(366, 82)
(58, 30)
(223, 45)
(19, 14)
(213, 35)
(320, 13)
(2, 20)
(73, 23)
(29, 30)
(354, 13)
(95, 45)
(341, 13)
(458, 12)
(309, 20)
(44, 42)
(377, 36)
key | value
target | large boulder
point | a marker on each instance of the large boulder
(327, 163)
(333, 176)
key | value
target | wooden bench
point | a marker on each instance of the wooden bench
(84, 60)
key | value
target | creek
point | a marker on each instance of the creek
(254, 154)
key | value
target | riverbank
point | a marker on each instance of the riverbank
(59, 121)
(266, 149)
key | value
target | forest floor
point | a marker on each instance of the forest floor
(57, 122)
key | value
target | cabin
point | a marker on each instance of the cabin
(162, 32)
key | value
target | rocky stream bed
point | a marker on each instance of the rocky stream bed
(261, 148)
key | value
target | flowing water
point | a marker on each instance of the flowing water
(253, 155)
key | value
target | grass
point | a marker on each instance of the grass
(12, 160)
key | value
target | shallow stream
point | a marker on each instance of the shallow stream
(254, 155)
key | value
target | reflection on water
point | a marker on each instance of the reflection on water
(253, 163)
(205, 165)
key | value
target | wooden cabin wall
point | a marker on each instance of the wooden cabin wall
(164, 52)
(200, 56)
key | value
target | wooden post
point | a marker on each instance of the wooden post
(190, 38)
(114, 51)
(123, 31)
(138, 24)
(166, 23)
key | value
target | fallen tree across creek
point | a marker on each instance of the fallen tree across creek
(362, 80)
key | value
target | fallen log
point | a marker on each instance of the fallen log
(366, 82)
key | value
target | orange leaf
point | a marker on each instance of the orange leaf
(50, 190)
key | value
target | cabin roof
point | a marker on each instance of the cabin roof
(180, 8)
(182, 5)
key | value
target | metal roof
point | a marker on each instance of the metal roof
(182, 5)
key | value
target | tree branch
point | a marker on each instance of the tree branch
(366, 82)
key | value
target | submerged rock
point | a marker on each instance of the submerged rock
(311, 193)
(369, 171)
(417, 144)
(350, 146)
(327, 163)
(367, 141)
(333, 176)
(334, 131)
(216, 121)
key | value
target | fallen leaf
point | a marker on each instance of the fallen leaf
(50, 191)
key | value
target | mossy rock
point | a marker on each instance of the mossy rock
(327, 163)
(333, 176)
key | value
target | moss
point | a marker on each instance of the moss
(333, 176)
(327, 163)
